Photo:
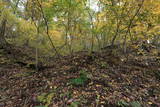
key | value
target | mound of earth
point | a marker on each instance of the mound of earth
(81, 80)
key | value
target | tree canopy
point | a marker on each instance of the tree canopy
(72, 25)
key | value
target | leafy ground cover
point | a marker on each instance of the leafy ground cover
(107, 79)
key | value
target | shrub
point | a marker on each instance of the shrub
(81, 80)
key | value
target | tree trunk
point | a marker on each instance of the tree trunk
(2, 33)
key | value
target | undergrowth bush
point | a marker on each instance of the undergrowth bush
(81, 80)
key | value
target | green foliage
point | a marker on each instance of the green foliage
(103, 64)
(78, 81)
(135, 104)
(81, 80)
(78, 18)
(46, 98)
(123, 103)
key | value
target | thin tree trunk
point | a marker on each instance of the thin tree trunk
(37, 59)
(2, 33)
(129, 26)
(47, 29)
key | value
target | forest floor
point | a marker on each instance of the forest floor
(102, 79)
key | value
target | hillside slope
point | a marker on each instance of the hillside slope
(106, 78)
